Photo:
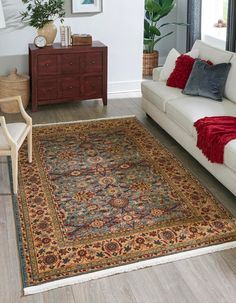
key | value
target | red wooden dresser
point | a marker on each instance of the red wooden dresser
(63, 74)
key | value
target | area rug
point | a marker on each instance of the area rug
(105, 197)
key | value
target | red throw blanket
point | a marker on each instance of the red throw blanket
(213, 134)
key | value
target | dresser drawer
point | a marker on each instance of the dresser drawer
(69, 63)
(47, 89)
(69, 87)
(47, 65)
(93, 86)
(92, 62)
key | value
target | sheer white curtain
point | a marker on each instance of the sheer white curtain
(2, 19)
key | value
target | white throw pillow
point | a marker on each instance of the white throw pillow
(169, 65)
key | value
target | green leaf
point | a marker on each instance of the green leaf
(166, 10)
(148, 15)
(166, 35)
(155, 31)
(172, 23)
(152, 6)
(156, 10)
(38, 13)
(146, 26)
(156, 17)
(167, 3)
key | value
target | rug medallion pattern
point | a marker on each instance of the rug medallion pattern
(106, 193)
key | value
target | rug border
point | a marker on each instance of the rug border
(127, 268)
(19, 239)
(84, 121)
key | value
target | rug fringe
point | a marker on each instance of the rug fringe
(82, 121)
(129, 267)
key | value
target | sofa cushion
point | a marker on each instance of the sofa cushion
(156, 73)
(158, 93)
(186, 111)
(230, 87)
(207, 52)
(207, 80)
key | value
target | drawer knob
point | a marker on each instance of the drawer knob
(71, 87)
(71, 63)
(92, 62)
(46, 64)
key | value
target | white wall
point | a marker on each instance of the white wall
(119, 26)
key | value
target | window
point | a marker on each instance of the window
(214, 21)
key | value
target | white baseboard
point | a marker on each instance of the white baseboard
(128, 94)
(124, 86)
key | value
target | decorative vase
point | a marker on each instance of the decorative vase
(49, 31)
(150, 61)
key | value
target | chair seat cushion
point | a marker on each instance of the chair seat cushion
(158, 93)
(15, 130)
(188, 110)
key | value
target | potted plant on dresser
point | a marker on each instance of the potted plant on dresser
(155, 10)
(41, 14)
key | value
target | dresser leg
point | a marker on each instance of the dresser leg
(104, 100)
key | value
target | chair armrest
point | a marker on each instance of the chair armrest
(5, 131)
(156, 73)
(24, 114)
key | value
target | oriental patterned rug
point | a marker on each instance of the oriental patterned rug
(104, 197)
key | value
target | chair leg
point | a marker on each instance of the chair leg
(14, 161)
(29, 140)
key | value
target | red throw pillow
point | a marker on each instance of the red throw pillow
(183, 68)
(179, 76)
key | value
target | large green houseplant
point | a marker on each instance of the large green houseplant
(41, 14)
(155, 10)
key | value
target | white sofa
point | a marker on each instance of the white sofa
(176, 113)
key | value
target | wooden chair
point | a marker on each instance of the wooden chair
(12, 136)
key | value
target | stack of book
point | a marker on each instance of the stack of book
(65, 33)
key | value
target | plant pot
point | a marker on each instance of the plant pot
(150, 61)
(49, 31)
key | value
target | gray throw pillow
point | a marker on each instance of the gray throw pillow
(207, 80)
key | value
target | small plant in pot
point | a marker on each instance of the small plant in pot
(41, 14)
(155, 10)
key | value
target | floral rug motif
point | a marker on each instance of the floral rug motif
(106, 193)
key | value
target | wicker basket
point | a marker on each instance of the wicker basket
(14, 85)
(150, 61)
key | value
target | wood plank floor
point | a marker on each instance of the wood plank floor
(206, 279)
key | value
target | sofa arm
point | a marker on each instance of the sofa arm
(156, 73)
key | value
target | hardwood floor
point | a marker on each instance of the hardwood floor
(206, 279)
